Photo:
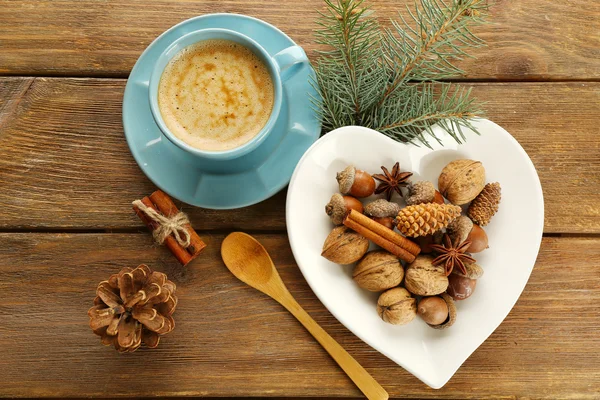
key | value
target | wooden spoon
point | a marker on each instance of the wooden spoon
(248, 260)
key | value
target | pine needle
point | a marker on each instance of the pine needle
(385, 79)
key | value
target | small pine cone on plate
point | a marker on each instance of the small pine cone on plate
(485, 205)
(425, 219)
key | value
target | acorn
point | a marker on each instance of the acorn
(339, 205)
(451, 319)
(388, 222)
(355, 182)
(426, 241)
(463, 229)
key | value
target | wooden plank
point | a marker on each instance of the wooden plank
(91, 38)
(64, 162)
(231, 340)
(12, 91)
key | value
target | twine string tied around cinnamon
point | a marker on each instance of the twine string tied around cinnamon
(166, 226)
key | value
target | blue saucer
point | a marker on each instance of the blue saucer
(184, 177)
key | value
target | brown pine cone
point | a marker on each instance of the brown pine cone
(485, 205)
(132, 306)
(425, 219)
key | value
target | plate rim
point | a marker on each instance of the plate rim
(538, 230)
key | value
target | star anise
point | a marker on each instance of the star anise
(452, 255)
(391, 182)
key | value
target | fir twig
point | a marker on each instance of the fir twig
(385, 79)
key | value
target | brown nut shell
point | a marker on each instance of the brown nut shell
(355, 182)
(388, 222)
(451, 313)
(438, 198)
(344, 246)
(425, 242)
(460, 287)
(474, 271)
(396, 306)
(377, 271)
(478, 239)
(382, 208)
(461, 181)
(422, 278)
(433, 310)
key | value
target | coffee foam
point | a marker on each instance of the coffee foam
(215, 95)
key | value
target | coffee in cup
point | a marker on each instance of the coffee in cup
(215, 95)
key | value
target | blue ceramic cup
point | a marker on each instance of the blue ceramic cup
(279, 67)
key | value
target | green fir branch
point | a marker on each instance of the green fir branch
(384, 79)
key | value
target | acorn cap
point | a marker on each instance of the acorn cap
(459, 229)
(346, 179)
(381, 208)
(336, 209)
(420, 192)
(451, 312)
(474, 271)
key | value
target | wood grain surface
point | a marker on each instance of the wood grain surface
(64, 162)
(232, 340)
(527, 39)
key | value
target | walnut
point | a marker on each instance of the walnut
(344, 246)
(461, 181)
(422, 278)
(396, 306)
(378, 270)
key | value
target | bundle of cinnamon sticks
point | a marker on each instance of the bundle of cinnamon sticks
(162, 203)
(382, 236)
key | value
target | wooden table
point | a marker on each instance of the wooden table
(67, 180)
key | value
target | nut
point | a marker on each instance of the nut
(461, 181)
(378, 270)
(355, 182)
(433, 310)
(451, 313)
(396, 306)
(462, 229)
(382, 208)
(460, 287)
(474, 271)
(339, 205)
(438, 198)
(344, 246)
(422, 278)
(388, 222)
(478, 239)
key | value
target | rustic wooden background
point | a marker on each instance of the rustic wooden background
(67, 180)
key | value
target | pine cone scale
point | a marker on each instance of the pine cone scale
(486, 204)
(425, 219)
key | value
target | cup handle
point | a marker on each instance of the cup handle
(287, 58)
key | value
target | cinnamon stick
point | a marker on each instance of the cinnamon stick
(169, 209)
(382, 236)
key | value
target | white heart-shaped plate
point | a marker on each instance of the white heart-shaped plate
(514, 234)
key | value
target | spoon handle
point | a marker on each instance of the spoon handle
(361, 378)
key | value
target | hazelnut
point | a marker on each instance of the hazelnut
(461, 181)
(355, 182)
(461, 286)
(396, 306)
(388, 222)
(378, 270)
(422, 278)
(451, 313)
(438, 198)
(344, 246)
(478, 239)
(339, 205)
(433, 310)
(382, 208)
